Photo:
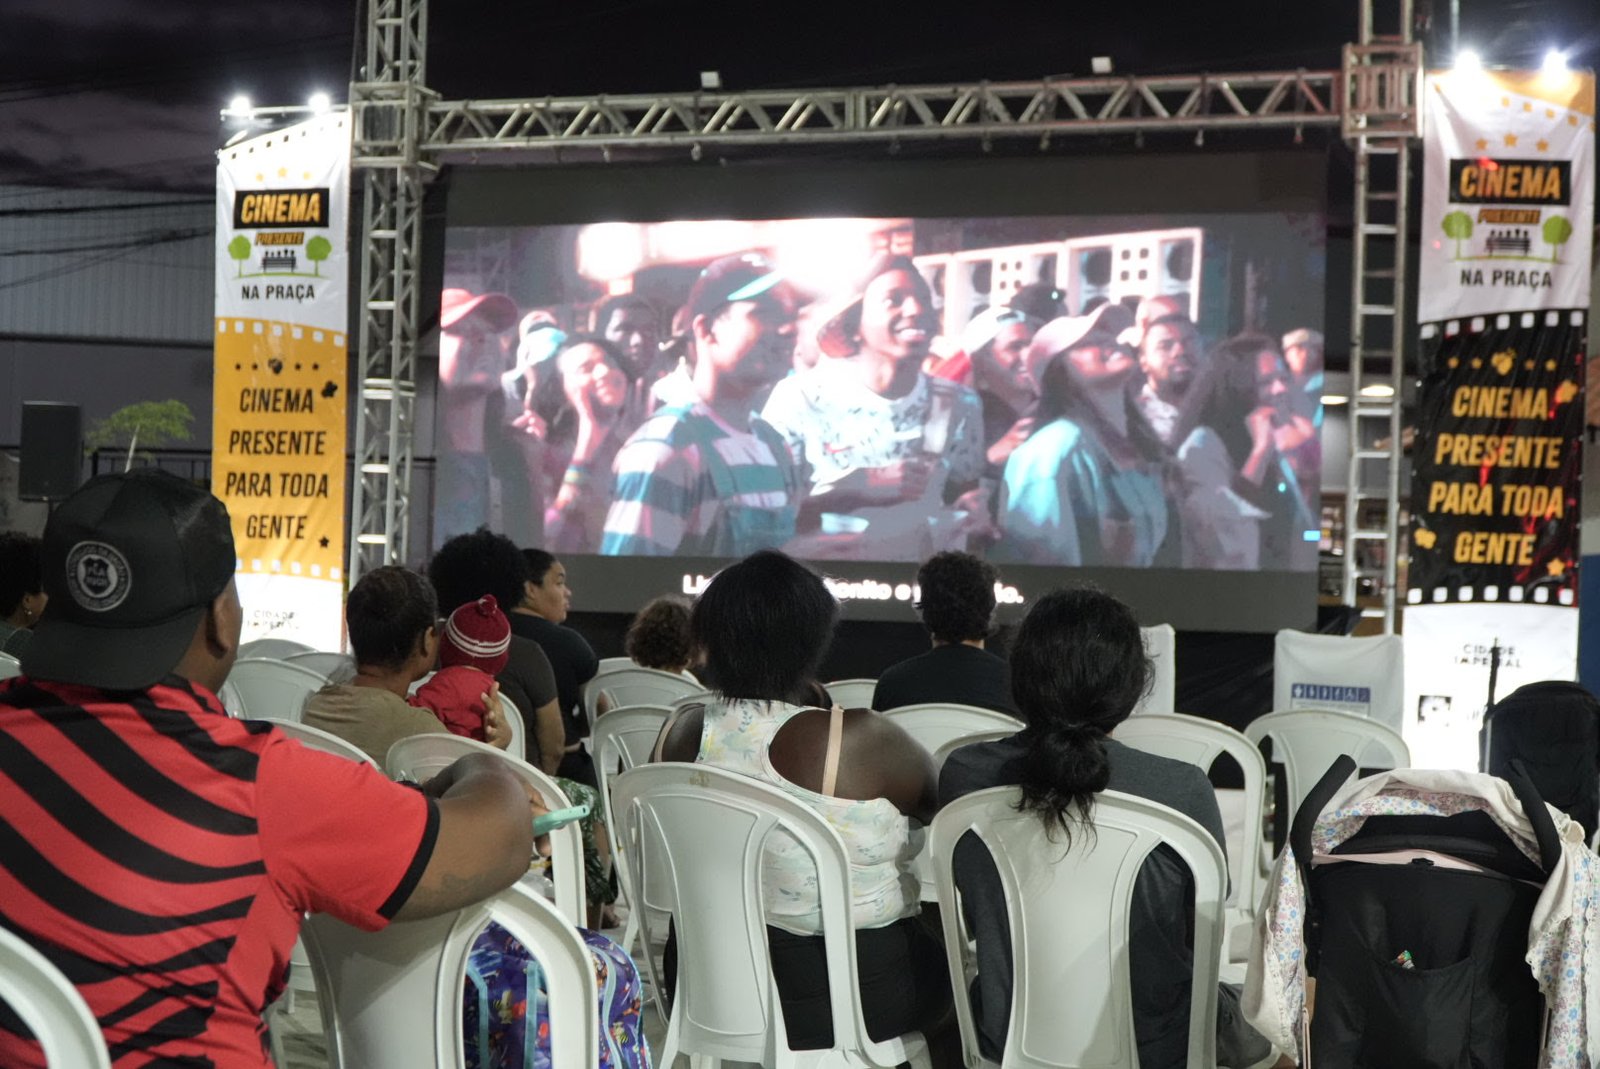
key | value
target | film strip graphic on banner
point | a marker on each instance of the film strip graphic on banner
(1497, 460)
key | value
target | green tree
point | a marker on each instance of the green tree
(239, 249)
(1556, 232)
(150, 423)
(1458, 226)
(318, 249)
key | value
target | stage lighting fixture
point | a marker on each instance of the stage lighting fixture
(1555, 63)
(239, 106)
(1467, 60)
(1378, 389)
(320, 103)
(1335, 399)
(710, 80)
(1100, 64)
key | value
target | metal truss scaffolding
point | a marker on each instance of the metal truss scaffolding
(404, 133)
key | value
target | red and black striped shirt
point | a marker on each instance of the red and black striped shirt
(161, 853)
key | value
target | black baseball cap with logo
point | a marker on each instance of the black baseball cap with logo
(131, 563)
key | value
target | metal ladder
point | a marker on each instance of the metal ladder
(1382, 115)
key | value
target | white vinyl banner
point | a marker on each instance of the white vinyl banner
(1448, 654)
(278, 447)
(1508, 193)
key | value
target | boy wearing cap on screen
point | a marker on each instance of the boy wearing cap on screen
(161, 853)
(708, 478)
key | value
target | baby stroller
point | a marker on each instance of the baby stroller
(1440, 914)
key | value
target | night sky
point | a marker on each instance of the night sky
(125, 93)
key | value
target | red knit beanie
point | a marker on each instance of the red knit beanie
(477, 635)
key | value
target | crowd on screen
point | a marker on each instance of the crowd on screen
(180, 932)
(754, 416)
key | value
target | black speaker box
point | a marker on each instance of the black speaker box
(52, 450)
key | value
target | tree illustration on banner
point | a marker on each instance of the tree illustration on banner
(318, 249)
(1457, 226)
(1556, 232)
(239, 249)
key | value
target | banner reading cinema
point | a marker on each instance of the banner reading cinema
(1508, 215)
(278, 449)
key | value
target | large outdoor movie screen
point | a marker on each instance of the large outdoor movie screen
(1127, 392)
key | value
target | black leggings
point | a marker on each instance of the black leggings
(905, 983)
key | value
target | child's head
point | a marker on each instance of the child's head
(477, 635)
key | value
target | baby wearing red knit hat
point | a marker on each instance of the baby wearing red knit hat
(473, 650)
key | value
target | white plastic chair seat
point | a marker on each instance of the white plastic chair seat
(700, 833)
(50, 1006)
(9, 666)
(937, 724)
(852, 693)
(1306, 742)
(421, 757)
(631, 685)
(318, 739)
(1072, 1002)
(272, 688)
(337, 667)
(273, 648)
(392, 999)
(1199, 742)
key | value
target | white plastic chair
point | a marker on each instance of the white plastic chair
(943, 753)
(50, 1006)
(1306, 742)
(611, 664)
(9, 666)
(420, 757)
(701, 832)
(852, 693)
(337, 667)
(1198, 741)
(519, 733)
(632, 685)
(318, 739)
(393, 998)
(274, 648)
(1071, 1003)
(625, 737)
(936, 724)
(272, 688)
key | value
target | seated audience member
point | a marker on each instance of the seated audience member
(161, 853)
(706, 477)
(22, 596)
(465, 569)
(957, 607)
(658, 636)
(474, 648)
(392, 620)
(539, 616)
(1078, 667)
(764, 625)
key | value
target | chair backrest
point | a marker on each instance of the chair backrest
(943, 753)
(273, 688)
(852, 693)
(1161, 646)
(937, 724)
(420, 757)
(1306, 742)
(275, 648)
(50, 1006)
(519, 731)
(392, 999)
(701, 832)
(9, 666)
(1071, 1000)
(1365, 676)
(337, 667)
(611, 664)
(1198, 741)
(317, 739)
(632, 685)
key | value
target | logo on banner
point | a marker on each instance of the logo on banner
(279, 255)
(1514, 224)
(1330, 696)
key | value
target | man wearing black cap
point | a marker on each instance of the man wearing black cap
(160, 853)
(708, 478)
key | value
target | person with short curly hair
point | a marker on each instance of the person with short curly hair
(22, 596)
(956, 598)
(659, 636)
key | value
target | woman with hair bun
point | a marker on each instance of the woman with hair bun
(1078, 668)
